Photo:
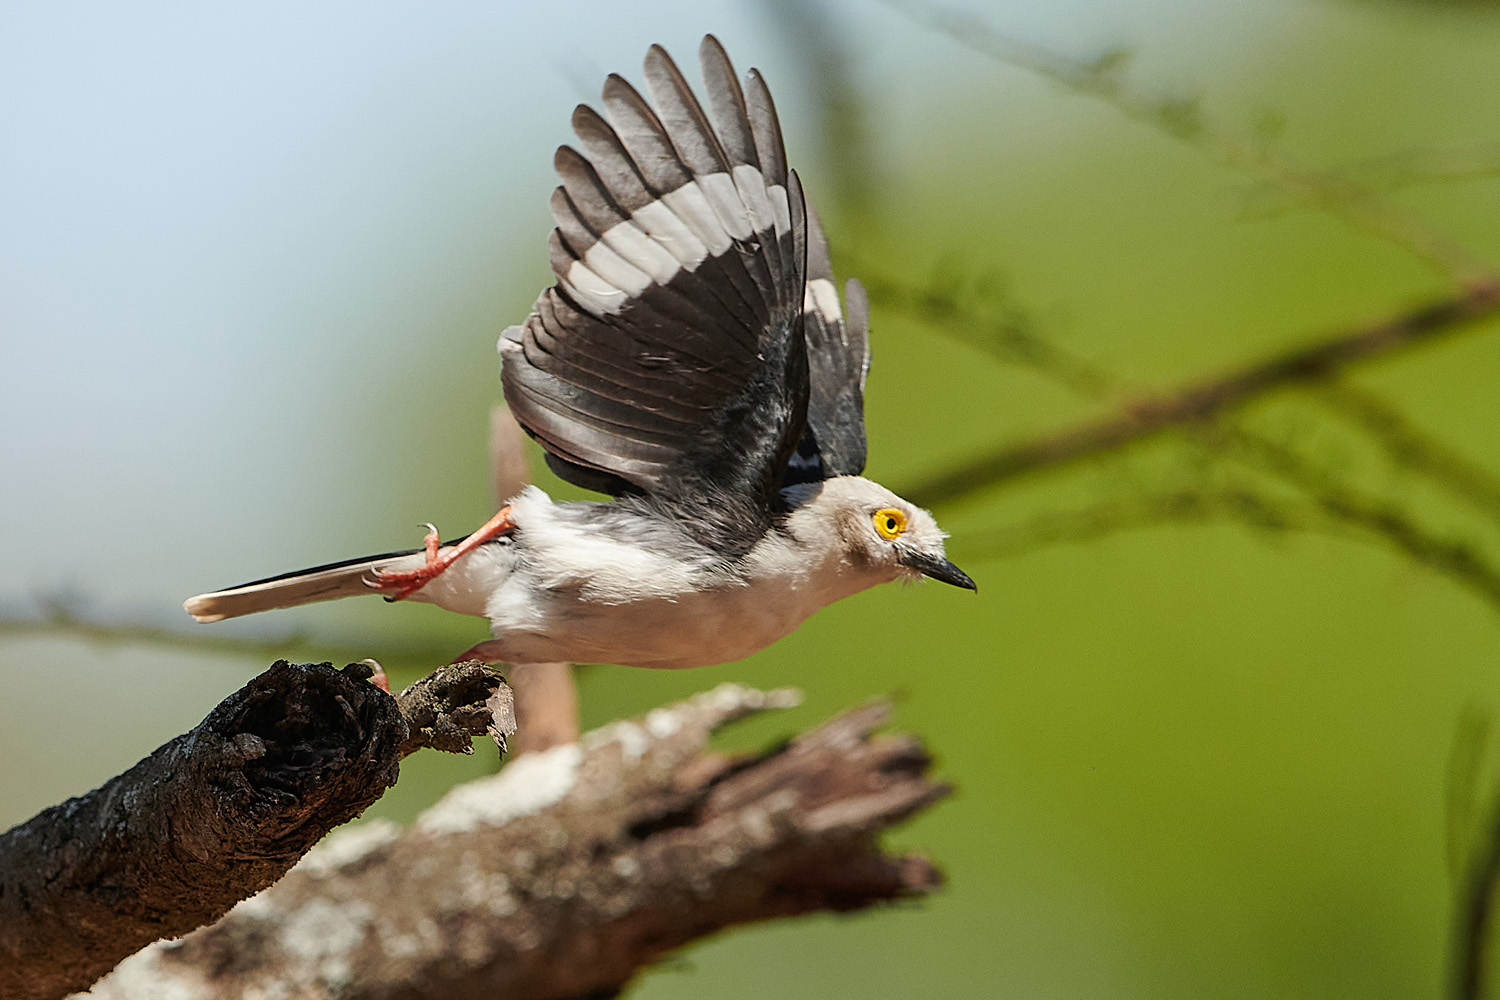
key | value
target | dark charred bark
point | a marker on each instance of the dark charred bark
(214, 815)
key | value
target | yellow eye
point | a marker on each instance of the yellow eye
(890, 522)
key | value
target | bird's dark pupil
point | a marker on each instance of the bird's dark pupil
(890, 524)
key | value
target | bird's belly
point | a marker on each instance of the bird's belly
(690, 630)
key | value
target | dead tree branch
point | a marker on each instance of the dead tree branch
(573, 868)
(1199, 401)
(215, 815)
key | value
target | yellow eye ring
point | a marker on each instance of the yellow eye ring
(889, 523)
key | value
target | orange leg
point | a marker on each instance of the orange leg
(408, 583)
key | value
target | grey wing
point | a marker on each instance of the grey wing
(669, 358)
(838, 359)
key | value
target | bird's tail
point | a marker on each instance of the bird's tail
(321, 583)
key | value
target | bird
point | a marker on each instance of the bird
(693, 362)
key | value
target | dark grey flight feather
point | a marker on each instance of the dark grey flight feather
(670, 360)
(838, 359)
(682, 117)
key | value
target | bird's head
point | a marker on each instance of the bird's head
(876, 529)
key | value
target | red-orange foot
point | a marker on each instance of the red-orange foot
(404, 584)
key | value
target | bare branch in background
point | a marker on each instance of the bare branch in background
(1106, 518)
(573, 869)
(819, 48)
(68, 616)
(1201, 400)
(547, 699)
(1460, 559)
(1470, 971)
(510, 470)
(980, 314)
(216, 814)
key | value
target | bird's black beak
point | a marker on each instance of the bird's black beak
(937, 568)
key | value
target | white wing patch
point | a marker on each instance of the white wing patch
(723, 196)
(677, 232)
(822, 298)
(644, 252)
(690, 205)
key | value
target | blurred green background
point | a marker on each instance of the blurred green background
(255, 263)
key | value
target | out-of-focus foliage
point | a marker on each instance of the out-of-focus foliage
(1211, 738)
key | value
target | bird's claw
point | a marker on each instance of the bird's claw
(404, 583)
(379, 678)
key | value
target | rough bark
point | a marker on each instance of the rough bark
(571, 869)
(214, 815)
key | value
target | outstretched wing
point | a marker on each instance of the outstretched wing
(838, 359)
(669, 359)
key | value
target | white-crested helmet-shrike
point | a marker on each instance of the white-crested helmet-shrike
(693, 362)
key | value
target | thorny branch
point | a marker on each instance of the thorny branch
(1352, 194)
(979, 313)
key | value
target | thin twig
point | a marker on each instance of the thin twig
(1102, 78)
(65, 619)
(1386, 173)
(1411, 448)
(1459, 560)
(1006, 331)
(1242, 504)
(1470, 972)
